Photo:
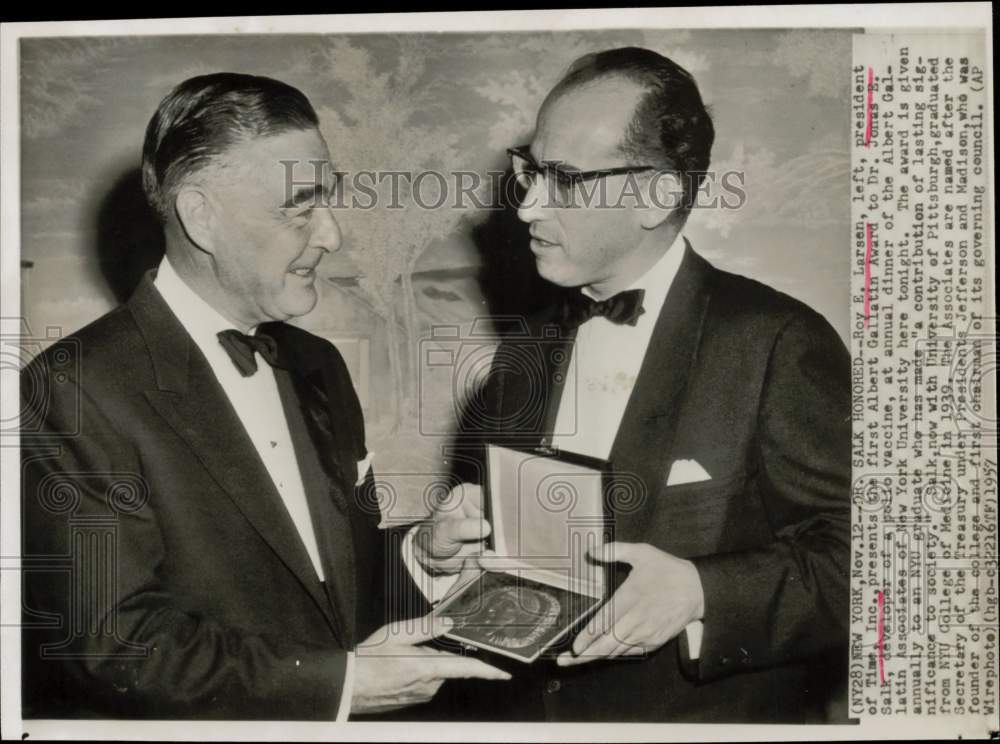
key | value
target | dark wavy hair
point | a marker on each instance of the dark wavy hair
(206, 115)
(670, 127)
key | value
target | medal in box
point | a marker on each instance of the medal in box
(546, 509)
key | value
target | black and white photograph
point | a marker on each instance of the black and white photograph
(513, 615)
(278, 290)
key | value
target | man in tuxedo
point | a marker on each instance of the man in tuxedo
(200, 533)
(722, 405)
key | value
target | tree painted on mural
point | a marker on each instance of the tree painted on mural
(444, 102)
(391, 110)
(395, 124)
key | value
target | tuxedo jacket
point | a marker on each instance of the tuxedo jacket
(753, 386)
(163, 576)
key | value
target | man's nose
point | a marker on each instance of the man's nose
(532, 207)
(326, 232)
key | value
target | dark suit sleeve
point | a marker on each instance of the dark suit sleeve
(123, 645)
(394, 594)
(789, 600)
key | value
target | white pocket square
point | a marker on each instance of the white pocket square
(686, 471)
(363, 467)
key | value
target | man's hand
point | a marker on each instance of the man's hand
(392, 672)
(455, 530)
(661, 596)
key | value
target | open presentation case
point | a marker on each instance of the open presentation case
(546, 509)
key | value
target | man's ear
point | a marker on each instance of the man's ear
(664, 195)
(196, 214)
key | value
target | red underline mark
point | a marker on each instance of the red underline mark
(868, 271)
(880, 643)
(868, 108)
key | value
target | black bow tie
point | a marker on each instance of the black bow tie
(241, 348)
(623, 308)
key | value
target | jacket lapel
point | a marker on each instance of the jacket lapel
(533, 376)
(645, 437)
(646, 434)
(311, 378)
(328, 467)
(190, 399)
(557, 354)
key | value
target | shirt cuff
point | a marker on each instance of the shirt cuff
(694, 632)
(432, 587)
(344, 709)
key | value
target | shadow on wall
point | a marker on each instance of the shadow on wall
(129, 236)
(508, 278)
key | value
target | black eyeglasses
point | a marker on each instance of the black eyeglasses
(562, 181)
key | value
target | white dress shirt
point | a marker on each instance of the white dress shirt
(605, 363)
(602, 371)
(258, 405)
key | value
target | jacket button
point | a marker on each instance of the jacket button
(724, 660)
(553, 685)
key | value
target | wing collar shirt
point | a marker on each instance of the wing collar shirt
(257, 404)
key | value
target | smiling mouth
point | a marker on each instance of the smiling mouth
(304, 271)
(537, 241)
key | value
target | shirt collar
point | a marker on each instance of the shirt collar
(656, 282)
(202, 321)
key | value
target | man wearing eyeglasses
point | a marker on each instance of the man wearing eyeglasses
(722, 405)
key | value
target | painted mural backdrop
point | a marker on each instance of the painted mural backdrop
(409, 281)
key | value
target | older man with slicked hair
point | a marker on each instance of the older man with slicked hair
(201, 537)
